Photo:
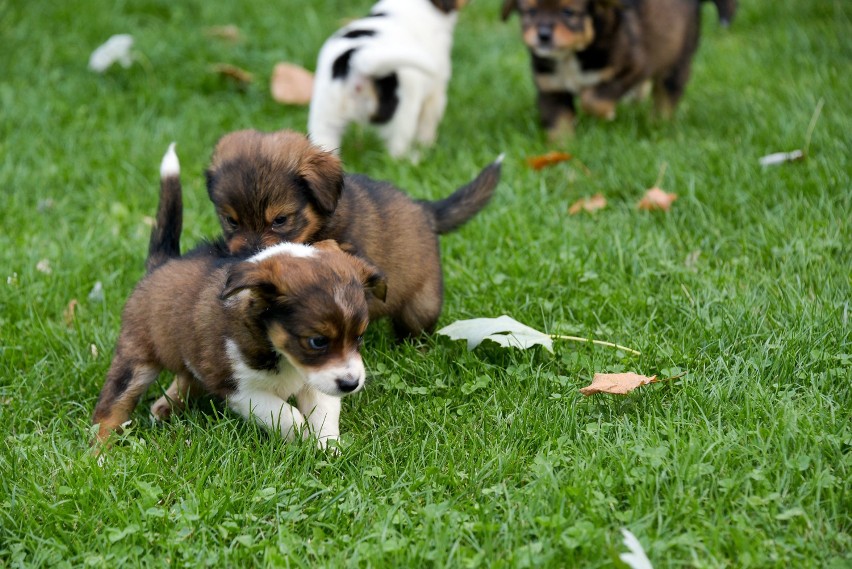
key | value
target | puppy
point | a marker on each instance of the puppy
(602, 50)
(390, 69)
(287, 321)
(274, 187)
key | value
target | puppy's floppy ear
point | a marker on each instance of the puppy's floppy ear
(210, 177)
(248, 276)
(509, 6)
(323, 175)
(373, 279)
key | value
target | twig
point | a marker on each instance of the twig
(812, 126)
(662, 173)
(678, 376)
(598, 342)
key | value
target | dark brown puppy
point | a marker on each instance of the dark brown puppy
(601, 50)
(274, 187)
(285, 322)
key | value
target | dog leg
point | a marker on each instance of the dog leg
(125, 383)
(669, 88)
(322, 413)
(270, 411)
(430, 117)
(174, 401)
(557, 113)
(399, 133)
(419, 315)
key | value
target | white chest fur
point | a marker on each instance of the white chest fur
(569, 76)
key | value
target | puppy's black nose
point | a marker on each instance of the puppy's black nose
(347, 383)
(545, 34)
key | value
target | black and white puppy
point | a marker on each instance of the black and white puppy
(390, 69)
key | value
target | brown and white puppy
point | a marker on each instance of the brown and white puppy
(273, 187)
(602, 50)
(286, 322)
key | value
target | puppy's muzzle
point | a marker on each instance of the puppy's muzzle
(347, 383)
(545, 35)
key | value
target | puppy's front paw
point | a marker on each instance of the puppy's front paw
(601, 108)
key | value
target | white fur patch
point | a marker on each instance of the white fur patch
(292, 249)
(569, 76)
(170, 166)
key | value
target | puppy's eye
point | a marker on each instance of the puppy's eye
(232, 223)
(279, 221)
(532, 12)
(568, 12)
(318, 343)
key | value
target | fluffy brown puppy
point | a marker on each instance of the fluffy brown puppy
(601, 50)
(273, 187)
(286, 322)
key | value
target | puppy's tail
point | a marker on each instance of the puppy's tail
(165, 236)
(453, 211)
(727, 9)
(381, 60)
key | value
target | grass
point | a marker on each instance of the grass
(451, 458)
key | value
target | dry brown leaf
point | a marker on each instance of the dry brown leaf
(291, 84)
(617, 383)
(70, 312)
(233, 72)
(588, 204)
(656, 199)
(549, 159)
(228, 32)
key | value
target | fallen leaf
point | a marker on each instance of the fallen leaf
(291, 84)
(70, 312)
(228, 32)
(549, 159)
(43, 266)
(655, 199)
(233, 72)
(617, 383)
(504, 330)
(588, 204)
(781, 157)
(636, 559)
(116, 48)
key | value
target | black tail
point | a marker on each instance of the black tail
(453, 211)
(165, 236)
(727, 9)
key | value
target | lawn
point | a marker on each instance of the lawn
(449, 458)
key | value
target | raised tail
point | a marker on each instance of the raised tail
(727, 9)
(165, 236)
(453, 211)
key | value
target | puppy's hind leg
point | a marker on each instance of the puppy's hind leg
(183, 388)
(399, 133)
(420, 314)
(430, 117)
(126, 382)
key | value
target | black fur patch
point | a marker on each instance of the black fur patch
(593, 58)
(388, 99)
(352, 34)
(543, 65)
(376, 15)
(340, 67)
(122, 381)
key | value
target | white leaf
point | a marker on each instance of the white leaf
(781, 157)
(116, 48)
(636, 559)
(504, 330)
(97, 292)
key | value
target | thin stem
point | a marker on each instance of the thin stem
(598, 342)
(812, 125)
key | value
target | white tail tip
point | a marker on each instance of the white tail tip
(500, 158)
(170, 165)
